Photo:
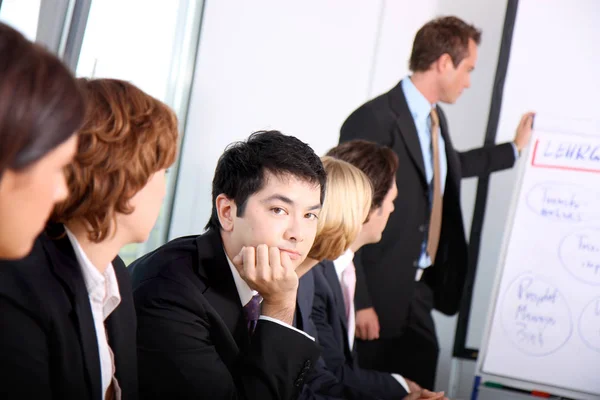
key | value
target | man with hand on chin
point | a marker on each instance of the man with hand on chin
(215, 311)
(272, 274)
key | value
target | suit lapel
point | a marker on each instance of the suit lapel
(65, 266)
(304, 300)
(222, 293)
(408, 130)
(121, 330)
(453, 163)
(336, 288)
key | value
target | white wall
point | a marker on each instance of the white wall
(302, 68)
(298, 68)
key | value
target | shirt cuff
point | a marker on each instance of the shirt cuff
(401, 381)
(264, 317)
(514, 146)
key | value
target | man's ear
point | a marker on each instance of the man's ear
(226, 211)
(444, 63)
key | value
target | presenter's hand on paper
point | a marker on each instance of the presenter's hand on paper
(524, 129)
(367, 324)
(271, 273)
(425, 394)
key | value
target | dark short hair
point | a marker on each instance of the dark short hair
(442, 35)
(126, 137)
(40, 104)
(241, 169)
(378, 162)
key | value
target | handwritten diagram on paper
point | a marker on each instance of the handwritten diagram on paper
(579, 253)
(546, 323)
(536, 316)
(563, 202)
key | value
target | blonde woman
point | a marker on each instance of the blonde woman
(345, 209)
(335, 281)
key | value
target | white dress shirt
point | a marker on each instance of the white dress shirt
(246, 293)
(340, 265)
(104, 295)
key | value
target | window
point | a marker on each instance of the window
(151, 43)
(22, 15)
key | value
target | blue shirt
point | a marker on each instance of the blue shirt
(420, 109)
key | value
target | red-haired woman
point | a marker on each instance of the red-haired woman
(68, 322)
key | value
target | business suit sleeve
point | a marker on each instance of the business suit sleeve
(121, 327)
(447, 283)
(321, 384)
(373, 384)
(485, 160)
(181, 357)
(25, 360)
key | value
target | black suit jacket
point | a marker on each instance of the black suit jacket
(48, 341)
(321, 383)
(193, 341)
(329, 315)
(386, 270)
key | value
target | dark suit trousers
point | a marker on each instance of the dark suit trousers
(414, 354)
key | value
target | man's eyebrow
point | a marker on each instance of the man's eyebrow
(288, 201)
(279, 197)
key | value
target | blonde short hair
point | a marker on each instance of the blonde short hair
(345, 209)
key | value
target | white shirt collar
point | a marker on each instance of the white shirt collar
(342, 262)
(101, 288)
(244, 291)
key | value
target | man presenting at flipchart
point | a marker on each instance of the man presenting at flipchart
(421, 261)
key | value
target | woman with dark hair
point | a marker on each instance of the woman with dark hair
(68, 325)
(41, 107)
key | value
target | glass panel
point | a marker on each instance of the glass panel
(22, 15)
(151, 43)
